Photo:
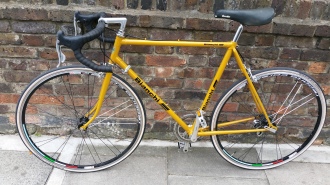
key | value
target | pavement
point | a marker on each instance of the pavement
(161, 163)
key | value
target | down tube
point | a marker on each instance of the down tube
(158, 100)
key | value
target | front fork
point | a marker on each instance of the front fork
(97, 107)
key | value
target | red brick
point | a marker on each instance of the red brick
(20, 77)
(161, 22)
(304, 9)
(137, 49)
(302, 30)
(205, 73)
(118, 4)
(166, 61)
(281, 28)
(324, 43)
(26, 13)
(259, 29)
(193, 84)
(9, 38)
(196, 51)
(35, 27)
(160, 127)
(33, 40)
(157, 34)
(292, 54)
(291, 8)
(164, 82)
(323, 31)
(17, 65)
(230, 107)
(205, 24)
(164, 50)
(134, 59)
(9, 98)
(189, 105)
(51, 54)
(20, 52)
(297, 65)
(265, 40)
(160, 115)
(186, 73)
(318, 67)
(326, 89)
(47, 100)
(206, 6)
(50, 40)
(316, 55)
(164, 72)
(317, 9)
(4, 26)
(198, 61)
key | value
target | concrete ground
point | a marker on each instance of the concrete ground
(161, 163)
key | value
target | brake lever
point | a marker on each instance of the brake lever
(61, 56)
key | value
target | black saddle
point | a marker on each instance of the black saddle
(254, 17)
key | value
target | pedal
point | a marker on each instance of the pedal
(184, 146)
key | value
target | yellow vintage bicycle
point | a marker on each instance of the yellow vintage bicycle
(87, 118)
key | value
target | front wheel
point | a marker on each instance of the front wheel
(294, 103)
(53, 107)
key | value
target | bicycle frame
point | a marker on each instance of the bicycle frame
(231, 50)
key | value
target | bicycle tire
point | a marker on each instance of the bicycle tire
(294, 102)
(53, 105)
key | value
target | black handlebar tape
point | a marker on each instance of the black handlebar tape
(89, 20)
(100, 68)
(77, 42)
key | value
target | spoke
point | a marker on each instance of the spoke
(97, 154)
(288, 97)
(71, 97)
(286, 108)
(91, 107)
(113, 113)
(105, 143)
(64, 104)
(279, 119)
(56, 117)
(62, 146)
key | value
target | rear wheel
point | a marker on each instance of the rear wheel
(294, 103)
(54, 106)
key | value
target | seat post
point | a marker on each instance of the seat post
(238, 33)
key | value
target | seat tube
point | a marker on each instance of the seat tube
(252, 89)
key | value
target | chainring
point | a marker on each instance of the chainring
(179, 132)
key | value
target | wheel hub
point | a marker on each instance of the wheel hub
(262, 123)
(82, 121)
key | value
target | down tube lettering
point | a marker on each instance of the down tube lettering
(148, 91)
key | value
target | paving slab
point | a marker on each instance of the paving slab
(22, 168)
(146, 166)
(161, 163)
(206, 162)
(295, 173)
(189, 180)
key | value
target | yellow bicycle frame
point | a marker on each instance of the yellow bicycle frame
(231, 50)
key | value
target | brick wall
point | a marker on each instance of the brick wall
(299, 37)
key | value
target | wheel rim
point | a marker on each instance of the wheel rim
(303, 107)
(51, 131)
